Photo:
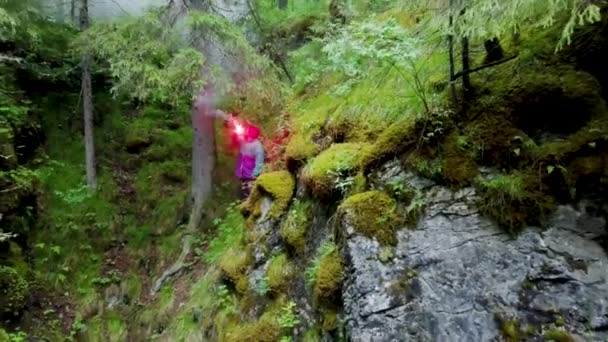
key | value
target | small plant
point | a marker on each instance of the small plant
(19, 336)
(111, 277)
(226, 300)
(77, 327)
(288, 317)
(263, 288)
(325, 249)
(74, 196)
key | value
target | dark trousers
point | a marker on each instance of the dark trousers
(246, 185)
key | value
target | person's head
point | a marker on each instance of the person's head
(252, 133)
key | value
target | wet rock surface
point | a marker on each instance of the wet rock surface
(456, 276)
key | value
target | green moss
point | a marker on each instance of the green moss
(133, 286)
(328, 278)
(170, 144)
(17, 260)
(280, 185)
(323, 171)
(234, 264)
(140, 134)
(296, 225)
(431, 168)
(359, 184)
(511, 331)
(265, 329)
(13, 291)
(459, 167)
(306, 124)
(390, 142)
(558, 336)
(312, 335)
(514, 200)
(330, 320)
(373, 214)
(279, 273)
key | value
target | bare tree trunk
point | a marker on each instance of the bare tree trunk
(87, 107)
(466, 67)
(203, 154)
(72, 12)
(452, 63)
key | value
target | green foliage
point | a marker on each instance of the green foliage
(112, 277)
(374, 214)
(353, 48)
(288, 317)
(230, 232)
(146, 58)
(479, 19)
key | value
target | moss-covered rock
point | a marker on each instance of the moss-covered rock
(330, 321)
(325, 170)
(514, 200)
(279, 273)
(294, 229)
(558, 335)
(373, 214)
(329, 276)
(279, 185)
(264, 329)
(391, 141)
(459, 167)
(13, 291)
(511, 331)
(234, 264)
(307, 126)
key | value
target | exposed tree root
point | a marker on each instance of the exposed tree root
(187, 241)
(179, 264)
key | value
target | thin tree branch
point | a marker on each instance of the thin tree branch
(461, 73)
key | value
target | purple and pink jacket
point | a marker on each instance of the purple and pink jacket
(250, 160)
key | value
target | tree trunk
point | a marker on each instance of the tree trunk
(72, 12)
(203, 154)
(466, 67)
(282, 4)
(452, 63)
(87, 105)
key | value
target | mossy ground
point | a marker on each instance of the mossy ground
(373, 214)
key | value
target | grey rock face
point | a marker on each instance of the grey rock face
(456, 275)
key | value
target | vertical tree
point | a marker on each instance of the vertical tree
(282, 4)
(87, 104)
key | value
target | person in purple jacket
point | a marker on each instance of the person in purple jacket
(251, 152)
